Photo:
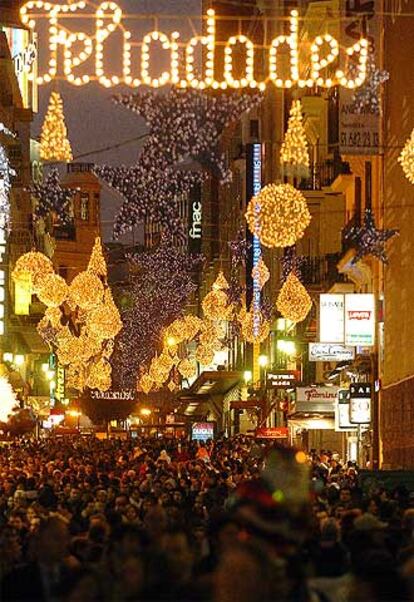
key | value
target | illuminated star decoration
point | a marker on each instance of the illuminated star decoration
(185, 128)
(52, 198)
(6, 174)
(290, 262)
(158, 292)
(368, 240)
(367, 98)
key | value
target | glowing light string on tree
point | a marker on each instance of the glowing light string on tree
(294, 154)
(367, 98)
(108, 17)
(54, 143)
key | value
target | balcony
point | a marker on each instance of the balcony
(324, 174)
(322, 272)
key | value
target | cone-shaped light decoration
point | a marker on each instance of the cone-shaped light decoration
(294, 155)
(293, 302)
(54, 142)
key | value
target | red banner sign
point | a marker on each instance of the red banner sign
(277, 432)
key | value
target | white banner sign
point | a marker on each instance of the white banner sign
(330, 352)
(316, 399)
(342, 422)
(331, 318)
(360, 320)
(359, 133)
(360, 403)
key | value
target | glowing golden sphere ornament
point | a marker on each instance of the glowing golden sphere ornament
(278, 215)
(215, 305)
(406, 159)
(293, 302)
(254, 327)
(33, 264)
(52, 290)
(204, 355)
(187, 368)
(86, 290)
(146, 383)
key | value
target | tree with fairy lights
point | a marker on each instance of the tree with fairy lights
(54, 142)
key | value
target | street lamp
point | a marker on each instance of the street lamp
(247, 376)
(263, 361)
(19, 359)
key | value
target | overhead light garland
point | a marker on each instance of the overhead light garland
(53, 198)
(278, 215)
(254, 327)
(406, 158)
(368, 239)
(185, 127)
(367, 97)
(293, 302)
(294, 154)
(6, 174)
(54, 143)
(290, 262)
(261, 273)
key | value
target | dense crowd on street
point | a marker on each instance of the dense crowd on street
(229, 520)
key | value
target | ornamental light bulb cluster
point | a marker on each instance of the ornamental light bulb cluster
(108, 18)
(54, 143)
(293, 302)
(278, 215)
(81, 319)
(406, 158)
(294, 154)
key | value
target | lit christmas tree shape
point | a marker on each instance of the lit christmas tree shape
(53, 198)
(54, 144)
(294, 155)
(368, 240)
(406, 159)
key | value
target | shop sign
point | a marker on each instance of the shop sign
(201, 431)
(330, 352)
(342, 408)
(360, 319)
(125, 395)
(360, 403)
(331, 318)
(316, 399)
(283, 379)
(277, 432)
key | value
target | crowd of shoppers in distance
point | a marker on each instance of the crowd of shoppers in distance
(229, 520)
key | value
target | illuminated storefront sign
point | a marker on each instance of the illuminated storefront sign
(23, 50)
(330, 352)
(347, 318)
(196, 220)
(201, 431)
(316, 399)
(277, 432)
(283, 379)
(331, 318)
(342, 409)
(81, 49)
(360, 320)
(360, 403)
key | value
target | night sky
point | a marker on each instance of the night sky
(94, 121)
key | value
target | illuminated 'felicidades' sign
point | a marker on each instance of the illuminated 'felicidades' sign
(78, 47)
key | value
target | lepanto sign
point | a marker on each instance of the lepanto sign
(85, 54)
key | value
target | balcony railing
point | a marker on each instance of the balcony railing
(321, 271)
(324, 174)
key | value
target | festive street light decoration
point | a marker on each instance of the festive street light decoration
(294, 154)
(278, 215)
(261, 273)
(54, 144)
(81, 320)
(53, 198)
(6, 174)
(290, 262)
(368, 239)
(254, 327)
(220, 282)
(185, 128)
(406, 158)
(216, 306)
(368, 96)
(293, 302)
(187, 368)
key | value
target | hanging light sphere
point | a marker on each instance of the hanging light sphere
(255, 328)
(86, 290)
(406, 159)
(146, 383)
(294, 302)
(215, 305)
(100, 375)
(52, 290)
(187, 368)
(204, 355)
(278, 215)
(35, 265)
(104, 322)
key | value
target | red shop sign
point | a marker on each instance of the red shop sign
(277, 432)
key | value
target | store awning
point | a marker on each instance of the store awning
(312, 422)
(34, 342)
(215, 382)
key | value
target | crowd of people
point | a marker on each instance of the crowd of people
(229, 520)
